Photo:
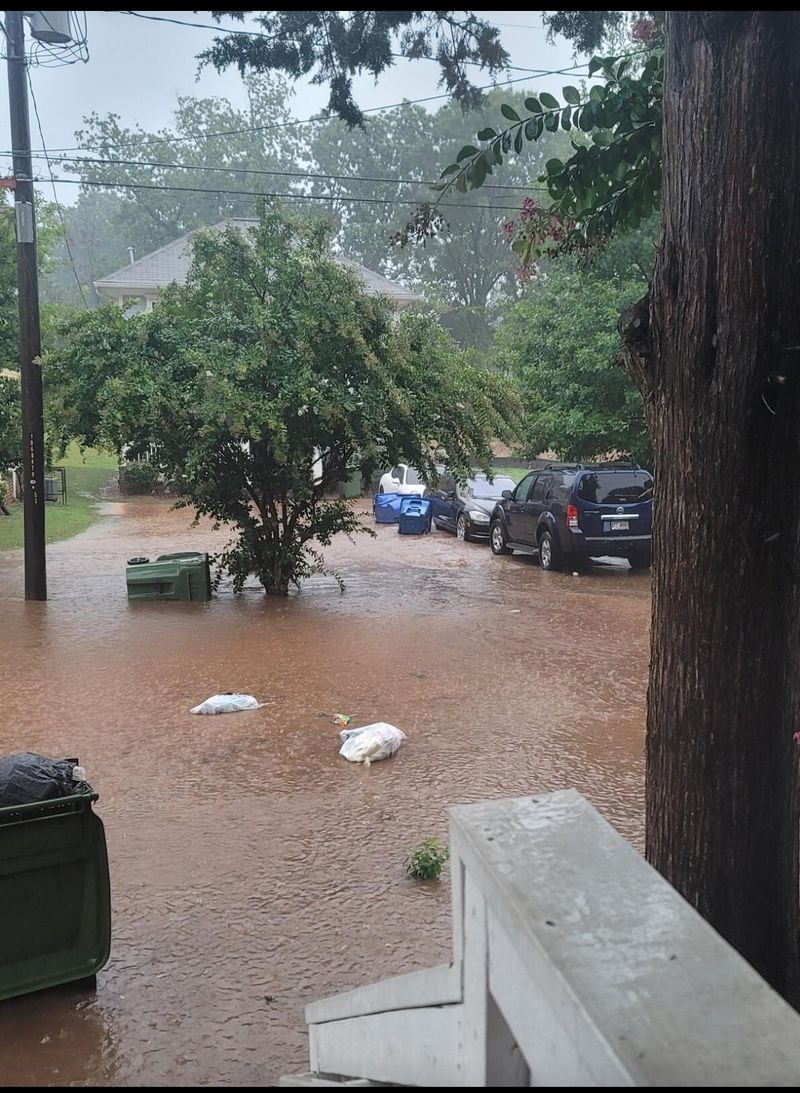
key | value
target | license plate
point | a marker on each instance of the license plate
(620, 525)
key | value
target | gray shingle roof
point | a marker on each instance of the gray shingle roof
(171, 263)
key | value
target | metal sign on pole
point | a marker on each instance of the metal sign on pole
(29, 329)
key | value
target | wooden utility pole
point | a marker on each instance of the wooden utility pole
(29, 331)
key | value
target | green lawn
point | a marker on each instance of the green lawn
(517, 473)
(87, 473)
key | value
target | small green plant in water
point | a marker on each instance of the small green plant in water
(426, 861)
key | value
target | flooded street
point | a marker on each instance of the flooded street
(252, 869)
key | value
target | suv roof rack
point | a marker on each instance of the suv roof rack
(610, 465)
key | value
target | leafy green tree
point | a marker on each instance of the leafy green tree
(10, 424)
(99, 230)
(271, 354)
(119, 157)
(560, 344)
(466, 271)
(9, 317)
(10, 401)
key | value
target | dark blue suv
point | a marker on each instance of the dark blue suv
(568, 513)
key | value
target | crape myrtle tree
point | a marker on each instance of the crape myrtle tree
(270, 356)
(709, 129)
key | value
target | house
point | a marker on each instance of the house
(136, 287)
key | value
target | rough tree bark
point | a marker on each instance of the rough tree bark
(719, 364)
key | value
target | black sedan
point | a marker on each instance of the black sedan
(467, 510)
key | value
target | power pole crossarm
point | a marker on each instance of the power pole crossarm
(29, 329)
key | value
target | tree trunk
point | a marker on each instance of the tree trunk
(723, 400)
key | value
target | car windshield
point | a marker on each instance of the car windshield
(482, 488)
(615, 487)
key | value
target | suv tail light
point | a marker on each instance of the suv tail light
(572, 516)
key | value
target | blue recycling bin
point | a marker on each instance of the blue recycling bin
(386, 507)
(415, 516)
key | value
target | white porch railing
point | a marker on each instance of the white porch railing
(575, 963)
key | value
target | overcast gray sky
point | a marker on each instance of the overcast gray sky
(138, 66)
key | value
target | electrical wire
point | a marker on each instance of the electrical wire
(209, 26)
(82, 161)
(55, 193)
(343, 198)
(51, 55)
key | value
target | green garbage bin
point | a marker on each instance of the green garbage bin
(353, 487)
(55, 901)
(198, 572)
(185, 576)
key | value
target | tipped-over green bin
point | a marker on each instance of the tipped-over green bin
(183, 576)
(55, 902)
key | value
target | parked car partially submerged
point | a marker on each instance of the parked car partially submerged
(467, 510)
(568, 513)
(402, 479)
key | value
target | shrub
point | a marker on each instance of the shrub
(138, 478)
(426, 861)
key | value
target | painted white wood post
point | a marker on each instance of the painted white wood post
(575, 963)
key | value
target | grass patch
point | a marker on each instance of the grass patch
(517, 473)
(87, 474)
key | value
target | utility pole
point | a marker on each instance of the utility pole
(30, 345)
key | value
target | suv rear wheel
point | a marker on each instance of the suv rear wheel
(497, 538)
(550, 557)
(640, 558)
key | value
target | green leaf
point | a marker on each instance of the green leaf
(549, 101)
(571, 95)
(532, 104)
(601, 137)
(487, 134)
(478, 172)
(597, 93)
(530, 129)
(449, 170)
(518, 141)
(509, 112)
(566, 123)
(551, 122)
(466, 152)
(553, 166)
(585, 120)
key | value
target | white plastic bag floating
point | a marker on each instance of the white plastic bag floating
(227, 703)
(370, 743)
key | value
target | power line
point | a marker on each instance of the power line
(83, 160)
(209, 26)
(573, 70)
(278, 196)
(55, 194)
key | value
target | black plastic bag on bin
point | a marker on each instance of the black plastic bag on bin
(26, 778)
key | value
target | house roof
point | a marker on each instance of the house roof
(171, 263)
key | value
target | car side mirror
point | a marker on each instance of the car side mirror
(506, 494)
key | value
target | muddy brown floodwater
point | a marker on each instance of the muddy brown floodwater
(252, 869)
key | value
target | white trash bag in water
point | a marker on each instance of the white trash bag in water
(227, 703)
(370, 743)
